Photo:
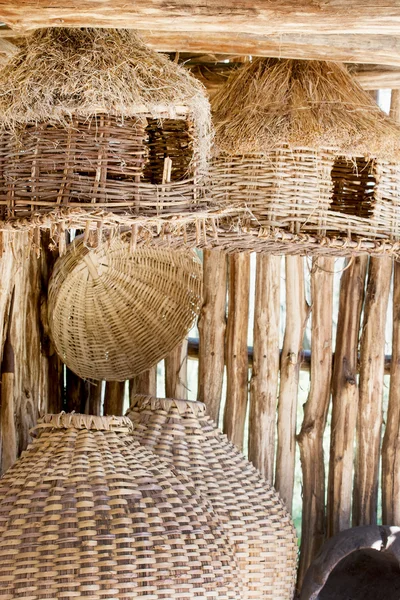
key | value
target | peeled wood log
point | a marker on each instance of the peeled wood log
(391, 439)
(7, 414)
(236, 348)
(297, 312)
(114, 398)
(345, 396)
(176, 372)
(265, 373)
(145, 383)
(369, 422)
(7, 271)
(310, 438)
(212, 325)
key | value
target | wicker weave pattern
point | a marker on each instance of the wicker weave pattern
(307, 192)
(256, 520)
(85, 513)
(114, 313)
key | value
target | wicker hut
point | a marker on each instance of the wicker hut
(114, 313)
(94, 126)
(84, 513)
(256, 520)
(308, 159)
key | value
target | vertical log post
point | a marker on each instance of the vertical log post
(369, 421)
(76, 392)
(176, 372)
(297, 312)
(345, 396)
(310, 438)
(7, 412)
(236, 348)
(391, 439)
(94, 400)
(145, 383)
(114, 398)
(212, 325)
(265, 372)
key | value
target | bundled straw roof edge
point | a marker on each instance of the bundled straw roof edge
(270, 103)
(61, 72)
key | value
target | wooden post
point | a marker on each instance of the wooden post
(297, 312)
(176, 372)
(212, 324)
(369, 421)
(114, 398)
(345, 396)
(265, 372)
(310, 438)
(391, 439)
(7, 412)
(145, 383)
(236, 348)
(76, 392)
(94, 400)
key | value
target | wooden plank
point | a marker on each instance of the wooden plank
(212, 325)
(345, 396)
(391, 439)
(236, 348)
(265, 372)
(249, 16)
(310, 438)
(297, 312)
(176, 372)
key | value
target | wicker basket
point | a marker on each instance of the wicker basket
(88, 137)
(84, 513)
(114, 312)
(307, 158)
(256, 520)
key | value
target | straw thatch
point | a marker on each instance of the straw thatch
(63, 72)
(115, 312)
(307, 158)
(307, 104)
(86, 513)
(257, 523)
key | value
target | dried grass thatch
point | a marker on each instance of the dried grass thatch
(307, 104)
(62, 72)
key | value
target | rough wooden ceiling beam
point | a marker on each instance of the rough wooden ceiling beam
(258, 17)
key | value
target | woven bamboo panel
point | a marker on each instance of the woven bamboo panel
(115, 312)
(86, 513)
(256, 520)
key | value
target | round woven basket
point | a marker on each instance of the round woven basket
(308, 160)
(255, 518)
(85, 513)
(114, 312)
(89, 136)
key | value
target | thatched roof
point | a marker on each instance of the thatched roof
(62, 72)
(308, 104)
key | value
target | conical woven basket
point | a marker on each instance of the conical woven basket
(307, 158)
(114, 312)
(255, 518)
(85, 513)
(96, 127)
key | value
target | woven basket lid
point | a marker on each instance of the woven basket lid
(114, 313)
(86, 513)
(270, 103)
(255, 518)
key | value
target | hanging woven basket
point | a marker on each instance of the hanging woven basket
(114, 312)
(256, 520)
(307, 158)
(96, 127)
(85, 513)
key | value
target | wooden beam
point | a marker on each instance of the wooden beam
(247, 16)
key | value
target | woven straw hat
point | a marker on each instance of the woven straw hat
(95, 126)
(85, 513)
(114, 312)
(255, 518)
